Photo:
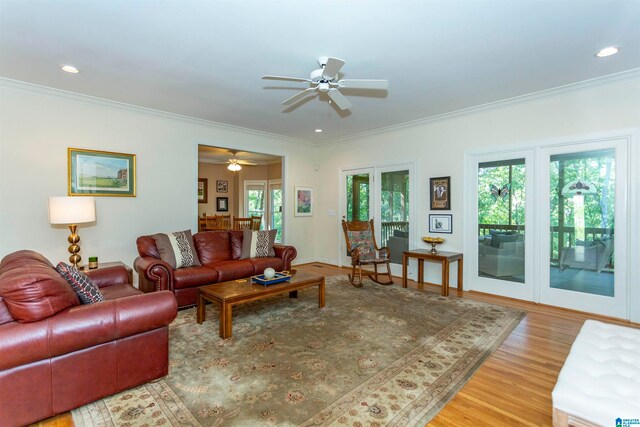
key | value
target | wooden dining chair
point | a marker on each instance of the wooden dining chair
(256, 221)
(363, 250)
(242, 223)
(225, 222)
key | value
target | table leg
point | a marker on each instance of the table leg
(225, 320)
(420, 270)
(460, 274)
(321, 294)
(201, 313)
(293, 294)
(405, 260)
(445, 277)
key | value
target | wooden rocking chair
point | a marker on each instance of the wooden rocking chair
(363, 250)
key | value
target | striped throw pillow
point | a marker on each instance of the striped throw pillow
(258, 244)
(176, 249)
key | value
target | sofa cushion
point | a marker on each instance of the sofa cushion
(122, 290)
(32, 289)
(400, 233)
(232, 270)
(236, 237)
(177, 249)
(194, 276)
(258, 244)
(259, 264)
(87, 291)
(499, 238)
(212, 246)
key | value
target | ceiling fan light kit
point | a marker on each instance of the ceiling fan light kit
(324, 80)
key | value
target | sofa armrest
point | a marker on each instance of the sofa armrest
(286, 253)
(109, 276)
(85, 326)
(153, 274)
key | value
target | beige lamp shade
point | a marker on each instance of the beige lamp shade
(71, 210)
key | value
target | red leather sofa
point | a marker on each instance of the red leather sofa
(57, 355)
(218, 252)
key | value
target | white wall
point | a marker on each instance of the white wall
(38, 124)
(437, 148)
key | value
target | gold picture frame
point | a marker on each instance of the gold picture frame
(100, 173)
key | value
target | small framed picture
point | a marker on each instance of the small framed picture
(222, 186)
(440, 193)
(203, 190)
(222, 204)
(440, 223)
(101, 173)
(304, 201)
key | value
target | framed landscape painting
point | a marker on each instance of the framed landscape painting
(101, 173)
(304, 201)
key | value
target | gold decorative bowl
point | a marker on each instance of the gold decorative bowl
(433, 241)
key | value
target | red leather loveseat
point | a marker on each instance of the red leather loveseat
(219, 253)
(57, 355)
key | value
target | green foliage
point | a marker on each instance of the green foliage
(493, 210)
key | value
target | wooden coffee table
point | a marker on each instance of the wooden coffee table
(236, 292)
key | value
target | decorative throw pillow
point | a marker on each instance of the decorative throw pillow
(87, 291)
(176, 249)
(258, 244)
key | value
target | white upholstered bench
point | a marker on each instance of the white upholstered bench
(600, 380)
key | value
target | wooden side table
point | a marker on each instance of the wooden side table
(112, 264)
(445, 258)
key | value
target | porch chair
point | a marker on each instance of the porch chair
(363, 250)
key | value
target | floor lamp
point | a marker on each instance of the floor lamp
(72, 211)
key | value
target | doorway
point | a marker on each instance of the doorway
(549, 224)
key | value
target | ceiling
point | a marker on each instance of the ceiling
(205, 59)
(219, 156)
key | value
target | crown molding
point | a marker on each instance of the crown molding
(30, 88)
(572, 87)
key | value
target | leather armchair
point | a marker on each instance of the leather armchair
(219, 253)
(79, 353)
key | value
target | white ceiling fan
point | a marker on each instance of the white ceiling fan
(236, 164)
(325, 80)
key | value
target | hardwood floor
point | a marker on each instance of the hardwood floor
(514, 385)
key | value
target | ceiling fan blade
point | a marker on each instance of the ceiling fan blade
(342, 102)
(298, 96)
(363, 84)
(292, 79)
(331, 69)
(246, 163)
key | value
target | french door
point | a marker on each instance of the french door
(382, 194)
(502, 211)
(549, 224)
(583, 232)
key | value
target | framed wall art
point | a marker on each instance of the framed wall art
(440, 193)
(440, 223)
(222, 186)
(203, 190)
(101, 173)
(304, 201)
(222, 204)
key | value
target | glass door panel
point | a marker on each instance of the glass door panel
(357, 190)
(582, 188)
(501, 220)
(255, 199)
(394, 213)
(501, 216)
(584, 218)
(275, 209)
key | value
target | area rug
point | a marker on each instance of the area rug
(374, 356)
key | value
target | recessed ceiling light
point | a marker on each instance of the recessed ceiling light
(607, 51)
(318, 130)
(70, 69)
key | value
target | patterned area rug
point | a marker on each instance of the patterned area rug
(374, 356)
